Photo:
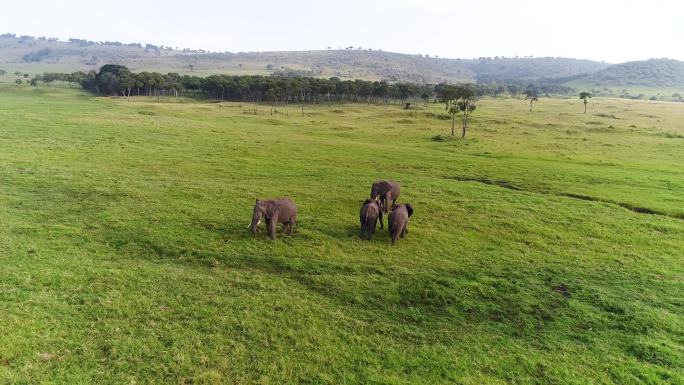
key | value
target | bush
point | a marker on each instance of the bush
(37, 56)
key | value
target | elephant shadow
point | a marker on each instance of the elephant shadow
(354, 231)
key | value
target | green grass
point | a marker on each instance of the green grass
(126, 259)
(627, 91)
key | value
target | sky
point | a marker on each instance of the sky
(604, 30)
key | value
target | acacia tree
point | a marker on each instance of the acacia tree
(532, 95)
(585, 96)
(453, 111)
(466, 104)
(458, 99)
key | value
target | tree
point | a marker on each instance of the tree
(531, 94)
(513, 89)
(18, 81)
(585, 96)
(453, 111)
(466, 104)
(114, 78)
(126, 83)
(458, 99)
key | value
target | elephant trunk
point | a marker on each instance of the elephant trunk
(256, 219)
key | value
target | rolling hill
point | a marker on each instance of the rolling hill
(647, 73)
(35, 55)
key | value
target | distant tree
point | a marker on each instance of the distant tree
(126, 83)
(466, 104)
(453, 111)
(531, 94)
(458, 99)
(89, 82)
(513, 89)
(585, 96)
(18, 81)
(115, 79)
(37, 56)
(26, 76)
(3, 72)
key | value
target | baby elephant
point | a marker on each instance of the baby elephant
(398, 220)
(370, 212)
(274, 211)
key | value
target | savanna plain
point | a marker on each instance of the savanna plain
(545, 248)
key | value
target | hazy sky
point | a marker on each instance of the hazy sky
(609, 30)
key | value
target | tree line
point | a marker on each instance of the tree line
(117, 80)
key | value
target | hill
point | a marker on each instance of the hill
(646, 73)
(36, 55)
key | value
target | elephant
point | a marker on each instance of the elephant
(398, 219)
(282, 210)
(368, 215)
(385, 191)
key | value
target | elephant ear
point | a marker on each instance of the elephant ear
(409, 208)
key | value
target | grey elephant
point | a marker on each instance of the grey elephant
(385, 191)
(274, 211)
(368, 215)
(398, 219)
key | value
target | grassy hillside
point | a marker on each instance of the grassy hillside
(664, 73)
(36, 56)
(545, 249)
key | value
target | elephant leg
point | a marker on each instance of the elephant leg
(272, 223)
(382, 226)
(403, 232)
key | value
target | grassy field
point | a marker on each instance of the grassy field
(629, 92)
(547, 248)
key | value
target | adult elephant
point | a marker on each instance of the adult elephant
(385, 191)
(274, 211)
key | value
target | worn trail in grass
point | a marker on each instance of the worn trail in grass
(126, 258)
